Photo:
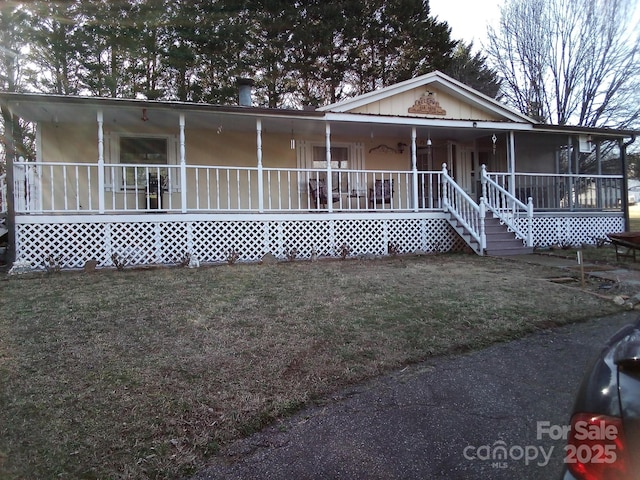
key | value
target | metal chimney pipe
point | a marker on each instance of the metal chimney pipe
(245, 86)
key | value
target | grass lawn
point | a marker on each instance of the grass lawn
(146, 373)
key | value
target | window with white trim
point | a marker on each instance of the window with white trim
(143, 152)
(143, 157)
(339, 161)
(344, 157)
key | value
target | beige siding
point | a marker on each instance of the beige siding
(69, 143)
(400, 104)
(238, 187)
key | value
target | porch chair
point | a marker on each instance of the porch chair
(318, 193)
(381, 192)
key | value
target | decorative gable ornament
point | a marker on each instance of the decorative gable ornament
(427, 105)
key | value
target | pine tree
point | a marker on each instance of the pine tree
(472, 70)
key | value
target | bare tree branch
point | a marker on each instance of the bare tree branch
(569, 61)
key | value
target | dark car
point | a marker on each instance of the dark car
(604, 440)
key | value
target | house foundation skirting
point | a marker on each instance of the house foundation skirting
(573, 228)
(145, 239)
(166, 239)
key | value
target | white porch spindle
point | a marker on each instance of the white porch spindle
(100, 162)
(259, 153)
(183, 168)
(414, 169)
(329, 182)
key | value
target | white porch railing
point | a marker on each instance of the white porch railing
(468, 213)
(54, 187)
(563, 191)
(508, 208)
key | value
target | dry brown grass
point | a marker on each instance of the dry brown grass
(144, 374)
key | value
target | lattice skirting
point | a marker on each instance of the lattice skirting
(73, 243)
(574, 230)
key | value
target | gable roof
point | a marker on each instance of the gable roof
(444, 83)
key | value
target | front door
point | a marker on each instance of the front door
(463, 169)
(427, 183)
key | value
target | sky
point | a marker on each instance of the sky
(468, 19)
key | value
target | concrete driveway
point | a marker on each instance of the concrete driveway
(447, 418)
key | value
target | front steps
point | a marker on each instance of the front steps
(500, 241)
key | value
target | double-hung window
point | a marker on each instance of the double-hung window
(339, 163)
(142, 158)
(345, 158)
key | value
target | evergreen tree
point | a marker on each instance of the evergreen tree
(398, 40)
(221, 38)
(17, 137)
(305, 52)
(107, 35)
(55, 49)
(321, 43)
(472, 70)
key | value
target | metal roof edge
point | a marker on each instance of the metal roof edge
(617, 132)
(168, 104)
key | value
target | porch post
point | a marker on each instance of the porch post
(414, 169)
(624, 194)
(512, 164)
(100, 162)
(259, 153)
(570, 172)
(530, 222)
(445, 185)
(183, 168)
(328, 157)
(483, 234)
(599, 180)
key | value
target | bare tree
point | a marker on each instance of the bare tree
(569, 61)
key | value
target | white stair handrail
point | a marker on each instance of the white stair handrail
(496, 195)
(468, 213)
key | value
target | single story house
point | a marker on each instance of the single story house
(427, 164)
